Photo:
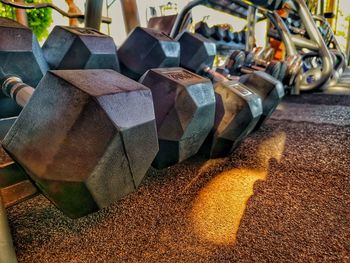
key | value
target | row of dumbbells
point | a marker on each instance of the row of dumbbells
(218, 33)
(88, 133)
(259, 59)
(223, 37)
(243, 62)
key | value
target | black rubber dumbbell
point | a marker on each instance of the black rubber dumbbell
(232, 98)
(229, 36)
(184, 102)
(85, 137)
(203, 29)
(244, 62)
(218, 33)
(197, 55)
(267, 87)
(80, 48)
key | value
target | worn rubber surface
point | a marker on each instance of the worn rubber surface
(282, 196)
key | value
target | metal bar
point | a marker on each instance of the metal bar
(111, 3)
(321, 7)
(11, 173)
(130, 14)
(336, 18)
(250, 33)
(7, 250)
(14, 88)
(15, 185)
(283, 32)
(5, 125)
(292, 57)
(93, 14)
(237, 8)
(106, 20)
(107, 11)
(18, 193)
(182, 16)
(347, 52)
(332, 8)
(21, 15)
(73, 8)
(302, 42)
(323, 20)
(315, 36)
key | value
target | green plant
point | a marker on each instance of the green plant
(39, 20)
(7, 11)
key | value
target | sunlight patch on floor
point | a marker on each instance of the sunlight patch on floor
(220, 205)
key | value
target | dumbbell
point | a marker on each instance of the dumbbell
(199, 57)
(229, 36)
(184, 103)
(264, 58)
(240, 62)
(85, 137)
(237, 109)
(65, 48)
(203, 29)
(237, 37)
(25, 52)
(291, 67)
(197, 53)
(80, 48)
(243, 35)
(254, 59)
(268, 54)
(267, 87)
(218, 33)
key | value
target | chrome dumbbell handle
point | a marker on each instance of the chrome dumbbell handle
(14, 88)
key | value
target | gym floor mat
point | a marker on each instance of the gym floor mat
(282, 196)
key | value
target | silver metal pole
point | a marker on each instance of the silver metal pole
(93, 13)
(182, 15)
(21, 15)
(130, 14)
(106, 20)
(7, 251)
(285, 35)
(251, 21)
(315, 35)
(347, 52)
(321, 7)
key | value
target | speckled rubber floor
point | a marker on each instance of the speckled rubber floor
(282, 196)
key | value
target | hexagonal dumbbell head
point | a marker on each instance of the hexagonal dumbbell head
(146, 49)
(86, 137)
(218, 33)
(20, 55)
(237, 112)
(203, 29)
(235, 62)
(80, 48)
(242, 36)
(184, 107)
(273, 68)
(228, 36)
(197, 52)
(269, 89)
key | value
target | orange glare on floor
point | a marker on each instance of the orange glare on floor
(220, 205)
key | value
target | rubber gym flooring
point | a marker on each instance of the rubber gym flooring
(282, 196)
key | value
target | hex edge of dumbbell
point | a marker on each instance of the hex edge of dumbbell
(82, 185)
